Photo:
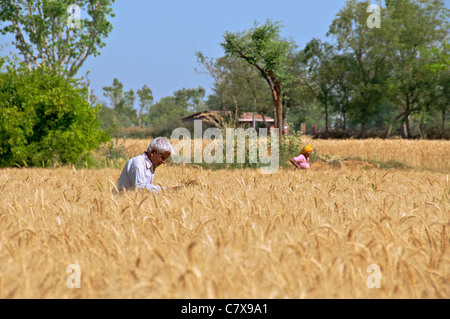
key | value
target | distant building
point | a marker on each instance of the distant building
(245, 118)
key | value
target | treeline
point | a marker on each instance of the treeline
(384, 73)
(394, 79)
(119, 114)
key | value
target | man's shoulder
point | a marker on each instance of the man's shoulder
(139, 157)
(140, 160)
(136, 159)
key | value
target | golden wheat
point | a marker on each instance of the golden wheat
(418, 154)
(228, 233)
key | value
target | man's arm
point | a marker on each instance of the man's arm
(151, 187)
(139, 178)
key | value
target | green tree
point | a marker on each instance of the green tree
(45, 118)
(263, 47)
(319, 56)
(114, 93)
(45, 34)
(166, 115)
(437, 94)
(438, 57)
(369, 49)
(189, 99)
(299, 95)
(344, 66)
(122, 104)
(238, 86)
(413, 25)
(145, 101)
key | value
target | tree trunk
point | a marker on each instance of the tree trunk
(278, 110)
(388, 131)
(403, 130)
(391, 124)
(140, 117)
(421, 131)
(407, 126)
(444, 115)
(345, 121)
(326, 119)
(363, 130)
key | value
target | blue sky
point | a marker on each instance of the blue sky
(154, 41)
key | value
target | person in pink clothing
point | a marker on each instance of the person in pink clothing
(302, 160)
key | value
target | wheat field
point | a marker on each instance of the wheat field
(233, 233)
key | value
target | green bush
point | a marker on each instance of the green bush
(45, 119)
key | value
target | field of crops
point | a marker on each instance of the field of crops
(235, 233)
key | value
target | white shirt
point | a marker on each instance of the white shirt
(138, 173)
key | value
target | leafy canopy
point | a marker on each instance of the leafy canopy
(45, 118)
(47, 33)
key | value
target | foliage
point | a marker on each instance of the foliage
(46, 36)
(145, 101)
(121, 113)
(263, 47)
(292, 144)
(165, 115)
(367, 48)
(45, 118)
(238, 87)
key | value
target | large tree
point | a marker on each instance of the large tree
(263, 47)
(413, 25)
(145, 101)
(344, 66)
(319, 57)
(238, 86)
(369, 49)
(437, 94)
(60, 35)
(122, 104)
(166, 114)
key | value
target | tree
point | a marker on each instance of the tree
(114, 93)
(45, 118)
(122, 103)
(189, 99)
(238, 86)
(145, 101)
(46, 33)
(319, 58)
(438, 82)
(299, 95)
(344, 66)
(369, 49)
(414, 25)
(438, 57)
(166, 115)
(263, 48)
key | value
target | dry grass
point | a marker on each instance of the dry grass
(419, 154)
(226, 234)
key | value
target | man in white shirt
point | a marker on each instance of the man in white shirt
(139, 171)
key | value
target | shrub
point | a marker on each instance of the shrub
(45, 118)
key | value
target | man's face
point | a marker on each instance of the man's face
(158, 159)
